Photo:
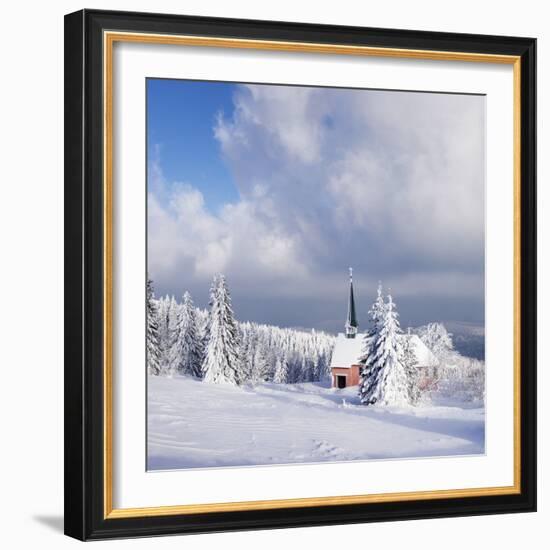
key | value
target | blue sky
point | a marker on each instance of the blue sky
(282, 188)
(180, 118)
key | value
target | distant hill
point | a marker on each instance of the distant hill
(468, 338)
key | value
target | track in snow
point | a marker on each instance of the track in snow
(192, 424)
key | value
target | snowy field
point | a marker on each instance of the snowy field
(192, 424)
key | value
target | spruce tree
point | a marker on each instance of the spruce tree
(386, 383)
(376, 314)
(153, 344)
(308, 369)
(378, 308)
(321, 366)
(410, 362)
(439, 342)
(261, 364)
(221, 359)
(186, 352)
(245, 371)
(281, 371)
(165, 331)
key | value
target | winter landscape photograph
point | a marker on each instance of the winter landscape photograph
(315, 274)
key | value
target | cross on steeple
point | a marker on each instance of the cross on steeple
(351, 321)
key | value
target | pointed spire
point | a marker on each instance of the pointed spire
(351, 321)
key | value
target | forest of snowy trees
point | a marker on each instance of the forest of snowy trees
(212, 345)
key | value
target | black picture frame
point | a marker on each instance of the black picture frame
(84, 282)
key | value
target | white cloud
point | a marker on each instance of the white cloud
(286, 119)
(408, 167)
(188, 242)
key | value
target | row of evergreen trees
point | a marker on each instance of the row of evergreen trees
(213, 346)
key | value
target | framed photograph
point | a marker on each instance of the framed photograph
(300, 274)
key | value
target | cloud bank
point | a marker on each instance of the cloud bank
(391, 183)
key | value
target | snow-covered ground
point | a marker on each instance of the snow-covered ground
(192, 424)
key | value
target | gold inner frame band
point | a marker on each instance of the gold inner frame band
(109, 39)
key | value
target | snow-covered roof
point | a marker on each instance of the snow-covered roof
(348, 351)
(424, 356)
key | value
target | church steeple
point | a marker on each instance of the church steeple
(351, 321)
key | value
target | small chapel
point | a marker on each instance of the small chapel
(345, 364)
(349, 352)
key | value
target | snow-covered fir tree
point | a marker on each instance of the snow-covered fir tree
(384, 378)
(221, 358)
(281, 371)
(378, 308)
(457, 376)
(245, 368)
(163, 305)
(438, 340)
(167, 316)
(186, 353)
(153, 343)
(376, 317)
(321, 368)
(262, 371)
(410, 362)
